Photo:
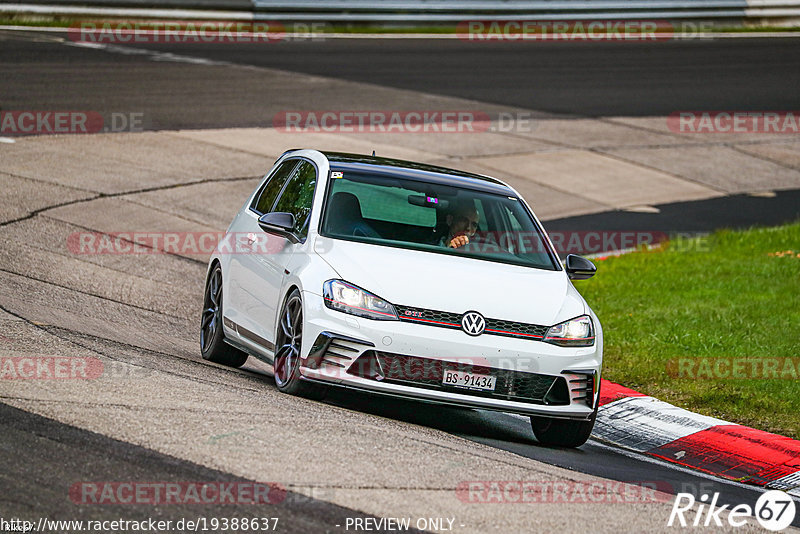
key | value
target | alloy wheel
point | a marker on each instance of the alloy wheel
(211, 309)
(290, 334)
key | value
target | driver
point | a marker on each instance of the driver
(462, 223)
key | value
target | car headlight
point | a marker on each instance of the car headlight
(347, 298)
(577, 332)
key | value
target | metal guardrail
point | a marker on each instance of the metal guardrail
(38, 6)
(490, 6)
(454, 11)
(458, 10)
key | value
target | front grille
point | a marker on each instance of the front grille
(428, 373)
(514, 329)
(497, 327)
(431, 317)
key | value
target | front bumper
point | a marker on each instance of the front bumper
(574, 373)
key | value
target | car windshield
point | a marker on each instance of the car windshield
(430, 217)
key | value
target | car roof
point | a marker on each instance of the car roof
(344, 162)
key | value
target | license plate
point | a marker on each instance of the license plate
(460, 379)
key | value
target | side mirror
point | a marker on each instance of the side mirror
(579, 268)
(280, 223)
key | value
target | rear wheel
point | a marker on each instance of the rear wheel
(288, 346)
(212, 344)
(562, 432)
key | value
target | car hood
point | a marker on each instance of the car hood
(454, 284)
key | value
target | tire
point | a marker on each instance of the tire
(562, 432)
(212, 340)
(288, 347)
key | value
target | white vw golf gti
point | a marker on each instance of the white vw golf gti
(409, 280)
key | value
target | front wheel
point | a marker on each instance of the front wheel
(562, 432)
(288, 346)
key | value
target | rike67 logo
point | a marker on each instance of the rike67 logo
(774, 510)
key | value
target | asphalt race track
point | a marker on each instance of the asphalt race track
(50, 454)
(602, 79)
(163, 414)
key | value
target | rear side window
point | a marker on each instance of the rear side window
(266, 198)
(298, 195)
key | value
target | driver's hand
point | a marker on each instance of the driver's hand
(459, 241)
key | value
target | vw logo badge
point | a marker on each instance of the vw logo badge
(473, 323)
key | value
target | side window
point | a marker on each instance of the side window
(483, 216)
(518, 232)
(298, 196)
(266, 198)
(527, 239)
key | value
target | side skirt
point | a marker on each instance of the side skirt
(250, 342)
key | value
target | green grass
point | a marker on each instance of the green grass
(723, 295)
(35, 21)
